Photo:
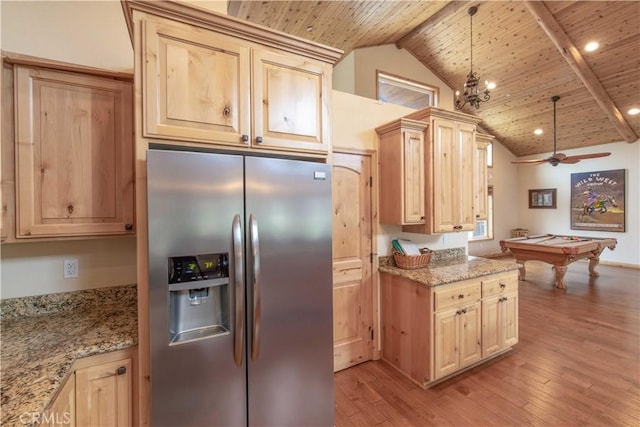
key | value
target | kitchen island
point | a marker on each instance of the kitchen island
(448, 317)
(43, 336)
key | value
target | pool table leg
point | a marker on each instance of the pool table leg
(593, 263)
(521, 270)
(560, 271)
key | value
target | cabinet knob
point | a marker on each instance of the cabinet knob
(128, 227)
(245, 138)
(121, 370)
(226, 111)
(258, 140)
(460, 296)
(502, 285)
(70, 209)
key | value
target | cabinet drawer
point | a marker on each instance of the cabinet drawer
(499, 284)
(450, 296)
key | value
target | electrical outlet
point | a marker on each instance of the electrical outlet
(70, 268)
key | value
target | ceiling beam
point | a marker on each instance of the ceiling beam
(449, 8)
(576, 61)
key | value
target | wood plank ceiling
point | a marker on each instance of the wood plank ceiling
(531, 50)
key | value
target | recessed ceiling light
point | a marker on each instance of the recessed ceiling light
(538, 131)
(490, 85)
(591, 46)
(634, 111)
(310, 28)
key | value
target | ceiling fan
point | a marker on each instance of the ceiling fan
(557, 158)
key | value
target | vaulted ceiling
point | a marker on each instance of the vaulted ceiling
(532, 50)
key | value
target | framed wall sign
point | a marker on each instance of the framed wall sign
(598, 200)
(542, 198)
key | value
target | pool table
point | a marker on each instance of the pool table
(558, 251)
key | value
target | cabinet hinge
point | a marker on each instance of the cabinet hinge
(371, 181)
(371, 334)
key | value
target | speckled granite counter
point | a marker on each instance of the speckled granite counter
(42, 336)
(448, 269)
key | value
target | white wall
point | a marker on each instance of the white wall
(557, 221)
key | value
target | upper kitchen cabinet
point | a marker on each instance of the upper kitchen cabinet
(73, 154)
(481, 174)
(215, 80)
(402, 174)
(449, 180)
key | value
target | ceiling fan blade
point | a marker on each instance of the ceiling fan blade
(585, 156)
(559, 156)
(530, 162)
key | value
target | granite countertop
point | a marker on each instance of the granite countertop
(448, 269)
(42, 336)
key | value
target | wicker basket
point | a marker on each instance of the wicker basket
(412, 262)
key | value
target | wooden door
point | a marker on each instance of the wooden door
(352, 263)
(104, 394)
(491, 330)
(470, 334)
(446, 342)
(196, 85)
(510, 322)
(464, 187)
(291, 102)
(74, 163)
(445, 216)
(413, 188)
(63, 409)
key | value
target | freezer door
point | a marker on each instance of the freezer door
(192, 201)
(290, 366)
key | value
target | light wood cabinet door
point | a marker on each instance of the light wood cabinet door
(453, 180)
(458, 336)
(499, 312)
(291, 102)
(104, 394)
(402, 172)
(62, 412)
(446, 342)
(444, 164)
(480, 174)
(196, 85)
(465, 181)
(74, 154)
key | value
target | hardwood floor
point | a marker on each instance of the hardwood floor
(577, 363)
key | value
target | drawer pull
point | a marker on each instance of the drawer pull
(502, 285)
(121, 370)
(245, 138)
(460, 296)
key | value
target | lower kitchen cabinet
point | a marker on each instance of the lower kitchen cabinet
(433, 332)
(499, 314)
(99, 392)
(456, 339)
(62, 410)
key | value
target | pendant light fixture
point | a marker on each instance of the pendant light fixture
(472, 94)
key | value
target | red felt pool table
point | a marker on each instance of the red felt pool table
(558, 251)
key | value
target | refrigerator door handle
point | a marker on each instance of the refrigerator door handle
(255, 266)
(238, 285)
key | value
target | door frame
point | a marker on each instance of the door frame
(375, 277)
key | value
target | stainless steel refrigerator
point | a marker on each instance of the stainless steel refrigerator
(240, 290)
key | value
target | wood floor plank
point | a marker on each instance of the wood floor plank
(577, 363)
